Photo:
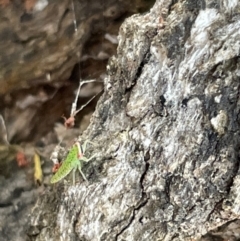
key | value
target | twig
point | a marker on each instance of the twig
(70, 122)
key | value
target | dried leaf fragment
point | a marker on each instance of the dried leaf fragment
(21, 159)
(38, 175)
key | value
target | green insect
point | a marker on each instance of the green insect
(73, 161)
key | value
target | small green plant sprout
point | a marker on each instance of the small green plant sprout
(73, 161)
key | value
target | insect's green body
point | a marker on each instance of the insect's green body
(73, 162)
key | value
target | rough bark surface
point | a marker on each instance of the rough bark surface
(167, 133)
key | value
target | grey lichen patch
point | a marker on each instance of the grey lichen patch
(233, 201)
(219, 122)
(110, 198)
(40, 5)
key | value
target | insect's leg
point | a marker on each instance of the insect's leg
(74, 171)
(79, 168)
(84, 146)
(85, 159)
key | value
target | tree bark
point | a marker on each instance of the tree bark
(167, 133)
